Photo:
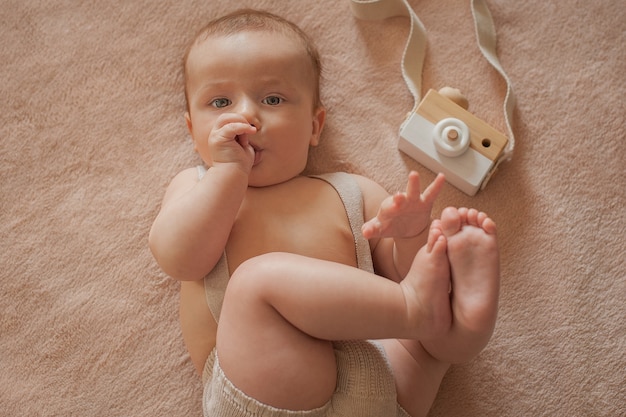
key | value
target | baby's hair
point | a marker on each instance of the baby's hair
(251, 20)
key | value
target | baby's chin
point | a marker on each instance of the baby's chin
(262, 183)
(260, 179)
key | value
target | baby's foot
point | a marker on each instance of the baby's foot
(426, 287)
(475, 267)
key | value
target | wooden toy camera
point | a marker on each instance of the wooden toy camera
(444, 137)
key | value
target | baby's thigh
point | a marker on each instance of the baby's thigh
(417, 374)
(263, 354)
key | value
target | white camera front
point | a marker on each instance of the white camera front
(444, 137)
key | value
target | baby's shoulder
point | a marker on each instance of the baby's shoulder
(372, 192)
(369, 188)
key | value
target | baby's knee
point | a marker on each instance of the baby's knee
(261, 265)
(254, 273)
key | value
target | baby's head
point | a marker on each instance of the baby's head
(255, 20)
(254, 68)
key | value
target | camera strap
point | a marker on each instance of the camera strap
(415, 49)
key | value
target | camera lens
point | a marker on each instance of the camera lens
(451, 137)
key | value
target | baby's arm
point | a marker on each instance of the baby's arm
(399, 224)
(190, 232)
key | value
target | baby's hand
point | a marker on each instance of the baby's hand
(407, 214)
(229, 143)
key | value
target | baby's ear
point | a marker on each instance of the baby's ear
(318, 124)
(190, 128)
(188, 121)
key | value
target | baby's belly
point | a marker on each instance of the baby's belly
(335, 246)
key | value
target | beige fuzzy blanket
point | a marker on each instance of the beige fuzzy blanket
(92, 130)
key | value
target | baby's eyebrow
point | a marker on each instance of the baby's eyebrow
(263, 82)
(271, 80)
(283, 85)
(212, 83)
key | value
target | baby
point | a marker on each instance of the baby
(284, 285)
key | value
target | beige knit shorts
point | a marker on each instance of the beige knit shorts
(365, 387)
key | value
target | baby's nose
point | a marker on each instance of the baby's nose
(250, 111)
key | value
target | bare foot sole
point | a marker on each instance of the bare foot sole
(427, 284)
(475, 275)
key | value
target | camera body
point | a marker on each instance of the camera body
(445, 137)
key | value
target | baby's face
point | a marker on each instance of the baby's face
(267, 79)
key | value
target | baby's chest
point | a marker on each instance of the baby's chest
(316, 228)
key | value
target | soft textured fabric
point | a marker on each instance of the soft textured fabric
(365, 387)
(222, 398)
(92, 131)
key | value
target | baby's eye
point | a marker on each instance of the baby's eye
(220, 102)
(272, 100)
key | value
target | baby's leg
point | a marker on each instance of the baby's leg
(418, 375)
(280, 311)
(475, 270)
(472, 256)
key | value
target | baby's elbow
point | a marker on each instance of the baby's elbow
(172, 268)
(166, 259)
(177, 262)
(183, 275)
(154, 243)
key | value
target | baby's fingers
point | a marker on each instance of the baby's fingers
(231, 126)
(371, 228)
(399, 200)
(432, 191)
(413, 186)
(238, 131)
